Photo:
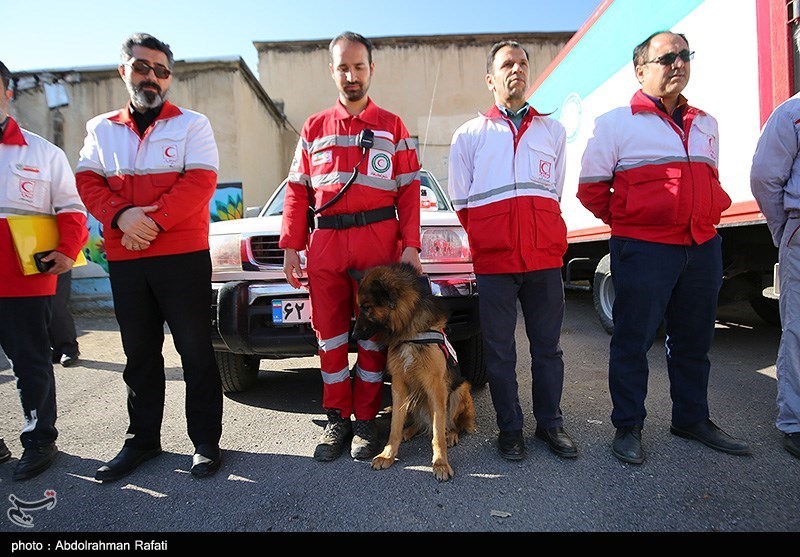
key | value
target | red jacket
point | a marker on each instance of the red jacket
(324, 160)
(649, 179)
(172, 165)
(506, 186)
(36, 179)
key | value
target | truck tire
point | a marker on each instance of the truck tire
(767, 309)
(238, 372)
(470, 360)
(603, 293)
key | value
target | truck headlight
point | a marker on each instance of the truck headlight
(444, 245)
(226, 254)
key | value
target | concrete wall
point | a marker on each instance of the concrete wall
(435, 83)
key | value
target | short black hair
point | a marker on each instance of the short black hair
(5, 75)
(147, 41)
(354, 37)
(496, 48)
(641, 49)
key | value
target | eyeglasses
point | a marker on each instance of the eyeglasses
(669, 58)
(143, 68)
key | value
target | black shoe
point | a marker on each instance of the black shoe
(206, 460)
(558, 441)
(712, 436)
(627, 445)
(364, 445)
(5, 452)
(338, 431)
(34, 461)
(126, 461)
(67, 360)
(791, 442)
(511, 445)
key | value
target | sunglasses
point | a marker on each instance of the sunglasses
(669, 58)
(143, 68)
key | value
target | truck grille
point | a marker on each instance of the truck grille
(265, 250)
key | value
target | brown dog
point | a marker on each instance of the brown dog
(395, 308)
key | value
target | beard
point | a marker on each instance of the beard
(144, 99)
(355, 94)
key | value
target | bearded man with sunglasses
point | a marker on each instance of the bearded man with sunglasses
(650, 172)
(147, 172)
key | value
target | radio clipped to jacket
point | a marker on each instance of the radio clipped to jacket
(365, 140)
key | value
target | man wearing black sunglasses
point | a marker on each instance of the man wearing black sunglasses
(147, 173)
(650, 173)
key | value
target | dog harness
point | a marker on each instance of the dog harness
(437, 337)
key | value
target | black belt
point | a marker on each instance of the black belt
(349, 220)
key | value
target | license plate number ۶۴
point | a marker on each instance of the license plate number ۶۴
(295, 310)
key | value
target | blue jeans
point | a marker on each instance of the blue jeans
(541, 296)
(676, 285)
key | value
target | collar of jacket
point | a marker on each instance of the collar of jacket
(642, 103)
(494, 112)
(13, 134)
(369, 115)
(123, 115)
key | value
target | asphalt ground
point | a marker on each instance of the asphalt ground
(270, 484)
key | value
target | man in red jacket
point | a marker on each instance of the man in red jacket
(506, 175)
(650, 172)
(147, 173)
(35, 179)
(376, 222)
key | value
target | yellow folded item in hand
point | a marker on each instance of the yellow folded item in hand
(33, 234)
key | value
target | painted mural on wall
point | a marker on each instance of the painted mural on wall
(225, 205)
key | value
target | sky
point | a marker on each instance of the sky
(51, 34)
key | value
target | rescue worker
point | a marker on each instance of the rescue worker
(650, 172)
(35, 179)
(775, 183)
(506, 175)
(147, 172)
(376, 222)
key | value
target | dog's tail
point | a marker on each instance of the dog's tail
(460, 408)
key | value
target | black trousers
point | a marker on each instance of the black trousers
(63, 337)
(23, 336)
(148, 292)
(540, 294)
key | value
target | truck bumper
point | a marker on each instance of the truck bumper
(241, 317)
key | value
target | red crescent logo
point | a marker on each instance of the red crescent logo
(26, 186)
(169, 152)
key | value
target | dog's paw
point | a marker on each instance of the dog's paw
(443, 471)
(382, 462)
(452, 438)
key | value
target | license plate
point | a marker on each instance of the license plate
(296, 310)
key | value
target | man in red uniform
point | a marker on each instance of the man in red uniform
(35, 179)
(376, 222)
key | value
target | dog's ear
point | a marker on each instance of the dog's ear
(356, 274)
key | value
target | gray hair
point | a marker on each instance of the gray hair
(147, 41)
(641, 49)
